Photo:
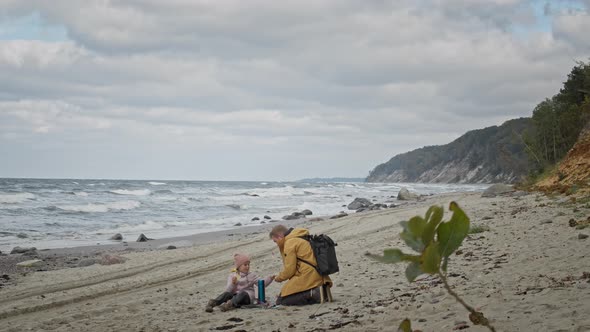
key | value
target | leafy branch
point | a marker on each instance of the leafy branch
(434, 241)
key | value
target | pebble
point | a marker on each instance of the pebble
(30, 263)
(379, 309)
(582, 236)
(86, 262)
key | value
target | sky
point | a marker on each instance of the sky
(266, 90)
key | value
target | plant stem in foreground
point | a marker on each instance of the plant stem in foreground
(474, 313)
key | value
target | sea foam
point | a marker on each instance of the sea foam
(138, 192)
(94, 208)
(15, 198)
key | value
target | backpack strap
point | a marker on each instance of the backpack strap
(308, 263)
(308, 238)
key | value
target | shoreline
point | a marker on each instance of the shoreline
(524, 273)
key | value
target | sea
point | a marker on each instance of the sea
(61, 213)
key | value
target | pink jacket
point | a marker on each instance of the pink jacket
(246, 282)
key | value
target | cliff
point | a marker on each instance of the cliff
(489, 155)
(573, 172)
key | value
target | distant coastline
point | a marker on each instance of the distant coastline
(312, 180)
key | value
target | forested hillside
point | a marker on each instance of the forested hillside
(525, 148)
(493, 154)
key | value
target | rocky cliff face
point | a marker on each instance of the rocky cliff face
(573, 170)
(489, 155)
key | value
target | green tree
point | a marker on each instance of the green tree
(558, 121)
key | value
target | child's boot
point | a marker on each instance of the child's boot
(227, 306)
(210, 305)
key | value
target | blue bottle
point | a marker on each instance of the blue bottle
(261, 295)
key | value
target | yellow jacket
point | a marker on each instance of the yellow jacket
(300, 275)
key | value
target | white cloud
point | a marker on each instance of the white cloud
(574, 28)
(282, 82)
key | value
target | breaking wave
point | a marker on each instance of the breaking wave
(94, 208)
(15, 198)
(139, 192)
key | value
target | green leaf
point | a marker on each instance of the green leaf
(392, 256)
(433, 217)
(413, 271)
(430, 261)
(412, 233)
(452, 233)
(416, 226)
(405, 326)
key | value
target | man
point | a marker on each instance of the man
(304, 283)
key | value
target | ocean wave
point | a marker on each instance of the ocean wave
(164, 191)
(96, 208)
(15, 198)
(165, 198)
(189, 199)
(81, 193)
(133, 228)
(157, 183)
(138, 192)
(238, 206)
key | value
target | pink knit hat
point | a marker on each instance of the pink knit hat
(240, 259)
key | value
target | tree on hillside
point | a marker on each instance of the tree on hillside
(559, 120)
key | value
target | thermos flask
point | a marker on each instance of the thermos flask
(261, 295)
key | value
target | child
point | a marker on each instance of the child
(240, 286)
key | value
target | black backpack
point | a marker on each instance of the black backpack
(325, 254)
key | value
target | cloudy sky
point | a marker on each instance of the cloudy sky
(266, 90)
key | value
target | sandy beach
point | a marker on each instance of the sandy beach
(529, 272)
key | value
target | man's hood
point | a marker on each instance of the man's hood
(297, 232)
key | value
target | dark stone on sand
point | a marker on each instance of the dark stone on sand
(255, 219)
(546, 221)
(170, 247)
(582, 236)
(339, 215)
(143, 238)
(24, 250)
(263, 222)
(86, 262)
(405, 195)
(267, 217)
(307, 212)
(117, 237)
(293, 216)
(359, 203)
(497, 189)
(238, 224)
